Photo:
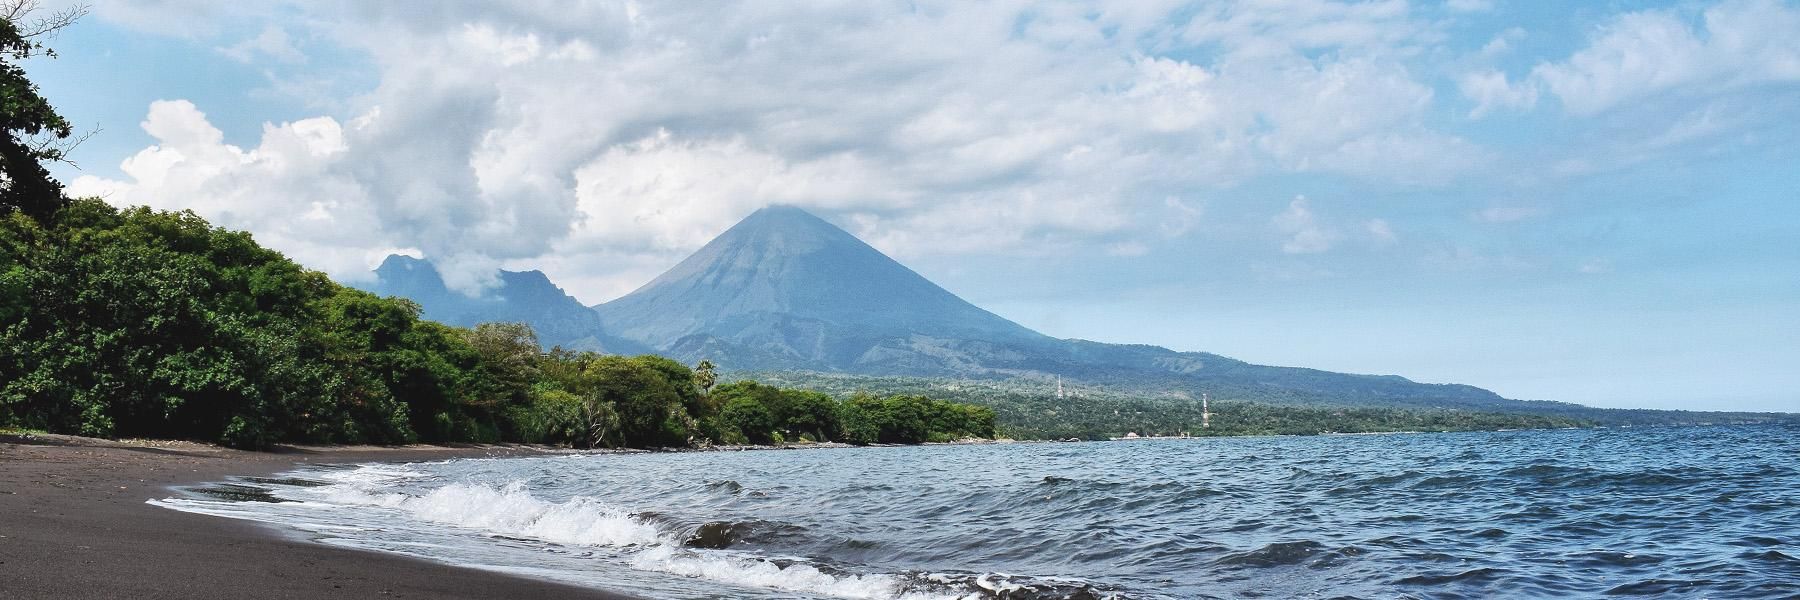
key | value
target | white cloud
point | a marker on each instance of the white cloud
(626, 134)
(1490, 90)
(286, 190)
(1302, 230)
(1656, 57)
(1736, 44)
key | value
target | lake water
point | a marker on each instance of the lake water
(1673, 512)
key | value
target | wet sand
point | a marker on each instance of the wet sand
(73, 524)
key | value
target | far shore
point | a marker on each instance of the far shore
(76, 526)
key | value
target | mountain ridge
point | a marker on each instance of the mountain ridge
(786, 290)
(783, 290)
(521, 296)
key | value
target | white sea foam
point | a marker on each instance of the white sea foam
(513, 511)
(758, 572)
(509, 510)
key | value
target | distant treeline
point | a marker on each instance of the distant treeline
(140, 323)
(1027, 411)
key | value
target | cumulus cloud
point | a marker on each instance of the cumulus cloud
(284, 190)
(1735, 44)
(617, 135)
(323, 193)
(1732, 46)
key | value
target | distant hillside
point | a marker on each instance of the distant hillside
(784, 290)
(1032, 409)
(787, 296)
(528, 297)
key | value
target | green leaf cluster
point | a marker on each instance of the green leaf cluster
(31, 131)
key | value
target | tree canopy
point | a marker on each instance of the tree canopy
(31, 131)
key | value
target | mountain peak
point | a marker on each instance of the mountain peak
(782, 272)
(785, 213)
(402, 262)
(528, 297)
(787, 229)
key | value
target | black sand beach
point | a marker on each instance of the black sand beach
(73, 524)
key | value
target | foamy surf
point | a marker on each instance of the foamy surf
(1538, 513)
(581, 526)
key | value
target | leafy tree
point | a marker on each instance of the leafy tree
(508, 361)
(808, 413)
(858, 418)
(706, 375)
(30, 129)
(750, 419)
(643, 392)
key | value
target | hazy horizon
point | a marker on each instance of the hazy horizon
(1572, 203)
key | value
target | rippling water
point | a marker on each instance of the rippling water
(1684, 512)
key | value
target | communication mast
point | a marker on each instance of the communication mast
(1205, 413)
(1059, 390)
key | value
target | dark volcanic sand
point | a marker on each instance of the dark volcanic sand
(73, 524)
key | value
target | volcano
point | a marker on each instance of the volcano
(784, 286)
(786, 291)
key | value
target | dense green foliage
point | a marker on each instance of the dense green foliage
(155, 324)
(30, 129)
(144, 323)
(753, 412)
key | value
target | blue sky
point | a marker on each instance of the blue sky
(1590, 202)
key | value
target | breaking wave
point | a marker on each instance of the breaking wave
(1692, 512)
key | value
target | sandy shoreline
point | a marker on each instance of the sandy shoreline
(73, 524)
